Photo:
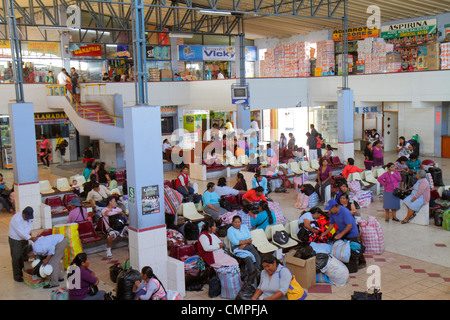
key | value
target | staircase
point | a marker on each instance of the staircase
(94, 113)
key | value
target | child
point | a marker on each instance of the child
(150, 288)
(76, 187)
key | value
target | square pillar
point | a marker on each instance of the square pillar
(23, 142)
(346, 145)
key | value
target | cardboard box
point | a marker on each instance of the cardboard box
(303, 270)
(166, 74)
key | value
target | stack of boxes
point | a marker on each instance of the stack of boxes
(154, 75)
(393, 62)
(445, 56)
(373, 53)
(325, 56)
(432, 57)
(286, 60)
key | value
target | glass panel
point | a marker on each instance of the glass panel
(89, 70)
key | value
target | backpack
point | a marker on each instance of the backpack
(307, 189)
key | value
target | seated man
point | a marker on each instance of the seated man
(97, 196)
(254, 195)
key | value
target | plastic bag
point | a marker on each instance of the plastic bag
(125, 282)
(247, 291)
(336, 272)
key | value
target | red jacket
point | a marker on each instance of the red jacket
(184, 177)
(207, 256)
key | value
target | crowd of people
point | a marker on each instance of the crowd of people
(337, 221)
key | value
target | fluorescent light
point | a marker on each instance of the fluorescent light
(56, 28)
(181, 35)
(215, 13)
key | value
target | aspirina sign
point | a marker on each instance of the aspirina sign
(409, 29)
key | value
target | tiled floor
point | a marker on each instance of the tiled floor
(414, 266)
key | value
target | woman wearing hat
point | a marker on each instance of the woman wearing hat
(77, 214)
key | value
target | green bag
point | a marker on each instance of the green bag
(446, 220)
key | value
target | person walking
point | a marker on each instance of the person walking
(18, 236)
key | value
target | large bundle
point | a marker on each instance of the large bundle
(125, 282)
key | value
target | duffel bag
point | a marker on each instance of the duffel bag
(341, 250)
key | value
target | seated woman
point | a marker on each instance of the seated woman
(112, 210)
(342, 188)
(241, 240)
(182, 184)
(324, 175)
(350, 168)
(150, 288)
(79, 213)
(223, 190)
(260, 181)
(101, 174)
(402, 168)
(328, 152)
(306, 227)
(87, 279)
(419, 196)
(275, 280)
(210, 247)
(5, 195)
(414, 163)
(264, 218)
(112, 182)
(241, 184)
(254, 195)
(344, 200)
(211, 203)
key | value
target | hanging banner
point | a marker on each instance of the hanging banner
(5, 49)
(409, 29)
(91, 50)
(358, 33)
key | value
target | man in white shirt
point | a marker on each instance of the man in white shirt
(62, 79)
(18, 236)
(51, 249)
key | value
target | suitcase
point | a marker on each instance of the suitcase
(183, 252)
(436, 174)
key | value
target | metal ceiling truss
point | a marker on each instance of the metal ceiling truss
(169, 15)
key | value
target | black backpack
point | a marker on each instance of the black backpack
(191, 231)
(307, 189)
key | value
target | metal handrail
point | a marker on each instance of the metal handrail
(77, 103)
(99, 85)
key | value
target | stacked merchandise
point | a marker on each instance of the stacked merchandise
(373, 52)
(445, 56)
(154, 75)
(325, 56)
(340, 63)
(285, 60)
(393, 62)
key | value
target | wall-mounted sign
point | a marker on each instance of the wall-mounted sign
(91, 50)
(44, 47)
(157, 52)
(213, 53)
(51, 118)
(150, 199)
(408, 29)
(358, 33)
(365, 110)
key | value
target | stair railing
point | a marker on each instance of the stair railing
(60, 90)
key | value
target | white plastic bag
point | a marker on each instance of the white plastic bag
(336, 271)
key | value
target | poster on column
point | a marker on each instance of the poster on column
(150, 199)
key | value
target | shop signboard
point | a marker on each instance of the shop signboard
(91, 50)
(408, 29)
(50, 118)
(5, 49)
(51, 48)
(358, 33)
(213, 53)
